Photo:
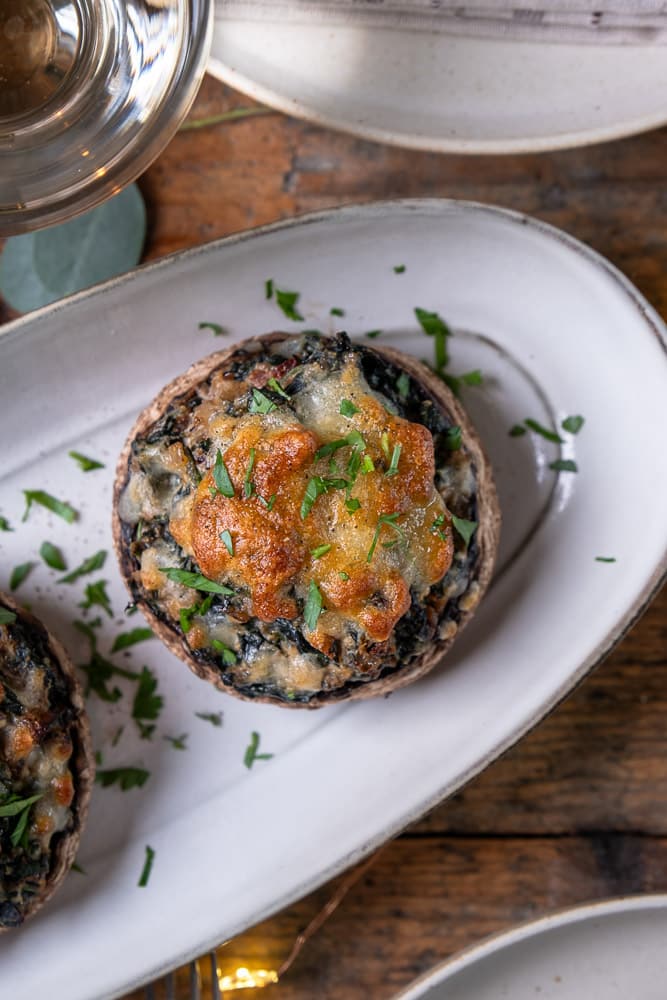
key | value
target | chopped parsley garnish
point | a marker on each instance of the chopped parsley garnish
(215, 718)
(5, 525)
(125, 777)
(148, 867)
(389, 520)
(228, 655)
(99, 671)
(251, 755)
(373, 334)
(474, 377)
(453, 438)
(248, 487)
(573, 424)
(347, 408)
(368, 464)
(178, 742)
(436, 527)
(313, 607)
(433, 325)
(466, 529)
(607, 559)
(52, 556)
(7, 617)
(260, 403)
(186, 615)
(393, 465)
(315, 488)
(51, 503)
(352, 505)
(226, 539)
(336, 311)
(89, 565)
(85, 464)
(563, 465)
(286, 300)
(274, 384)
(96, 595)
(267, 503)
(403, 386)
(77, 868)
(543, 431)
(218, 331)
(399, 268)
(320, 551)
(343, 575)
(126, 639)
(196, 581)
(268, 288)
(13, 806)
(147, 704)
(19, 574)
(223, 483)
(517, 430)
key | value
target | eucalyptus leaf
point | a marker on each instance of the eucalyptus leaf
(40, 267)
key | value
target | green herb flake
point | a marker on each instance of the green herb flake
(251, 754)
(436, 527)
(14, 806)
(367, 464)
(335, 311)
(474, 377)
(178, 742)
(89, 565)
(563, 465)
(372, 334)
(99, 671)
(215, 718)
(573, 424)
(384, 443)
(274, 384)
(320, 551)
(393, 465)
(228, 655)
(126, 639)
(96, 595)
(51, 503)
(403, 386)
(390, 521)
(125, 777)
(7, 617)
(5, 525)
(313, 607)
(434, 326)
(347, 408)
(78, 869)
(605, 559)
(466, 529)
(19, 574)
(195, 580)
(399, 268)
(260, 403)
(287, 302)
(314, 489)
(343, 575)
(147, 705)
(148, 867)
(200, 608)
(223, 483)
(453, 438)
(85, 464)
(543, 431)
(217, 330)
(268, 288)
(248, 487)
(352, 505)
(518, 430)
(226, 539)
(268, 503)
(52, 556)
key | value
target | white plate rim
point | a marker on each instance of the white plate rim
(524, 931)
(431, 144)
(439, 207)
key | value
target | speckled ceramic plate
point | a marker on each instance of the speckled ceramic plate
(443, 93)
(556, 331)
(613, 950)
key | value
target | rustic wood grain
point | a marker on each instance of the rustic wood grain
(578, 810)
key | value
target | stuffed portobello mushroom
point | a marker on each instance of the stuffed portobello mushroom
(303, 519)
(46, 764)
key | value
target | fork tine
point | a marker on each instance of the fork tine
(215, 986)
(195, 993)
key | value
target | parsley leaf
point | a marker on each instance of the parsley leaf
(195, 580)
(126, 777)
(336, 311)
(390, 520)
(51, 503)
(313, 607)
(474, 377)
(347, 408)
(126, 639)
(605, 559)
(147, 704)
(563, 465)
(315, 488)
(403, 386)
(543, 431)
(373, 334)
(85, 464)
(186, 615)
(218, 331)
(215, 718)
(268, 288)
(393, 466)
(14, 806)
(399, 268)
(251, 755)
(223, 483)
(260, 403)
(248, 488)
(352, 505)
(433, 325)
(52, 556)
(178, 742)
(320, 551)
(517, 430)
(5, 525)
(96, 594)
(89, 565)
(19, 574)
(227, 653)
(343, 575)
(453, 438)
(227, 541)
(274, 384)
(7, 617)
(287, 302)
(148, 867)
(466, 529)
(573, 424)
(267, 503)
(99, 671)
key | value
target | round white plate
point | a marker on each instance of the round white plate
(556, 331)
(446, 94)
(613, 950)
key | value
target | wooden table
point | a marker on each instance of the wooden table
(578, 810)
